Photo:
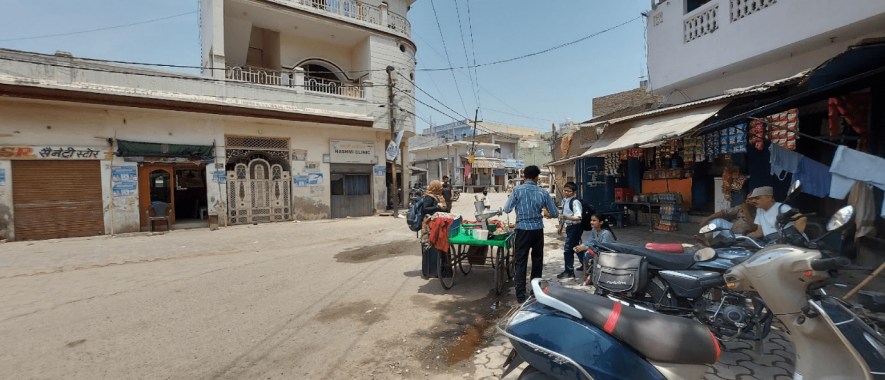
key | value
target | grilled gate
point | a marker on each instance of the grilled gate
(258, 192)
(57, 199)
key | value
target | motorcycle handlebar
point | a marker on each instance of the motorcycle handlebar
(830, 264)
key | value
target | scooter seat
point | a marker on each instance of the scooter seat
(659, 337)
(656, 259)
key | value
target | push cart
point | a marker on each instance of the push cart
(465, 251)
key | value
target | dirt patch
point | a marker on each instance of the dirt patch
(310, 209)
(76, 343)
(466, 327)
(362, 311)
(379, 251)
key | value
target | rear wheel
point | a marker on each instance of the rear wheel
(532, 373)
(446, 269)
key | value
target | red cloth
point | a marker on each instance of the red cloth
(439, 233)
(855, 108)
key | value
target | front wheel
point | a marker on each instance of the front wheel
(455, 196)
(532, 373)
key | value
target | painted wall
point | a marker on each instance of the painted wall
(778, 34)
(237, 33)
(25, 123)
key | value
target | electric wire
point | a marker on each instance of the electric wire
(97, 30)
(473, 50)
(449, 60)
(464, 48)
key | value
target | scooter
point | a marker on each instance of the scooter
(569, 334)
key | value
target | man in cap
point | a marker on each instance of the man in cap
(766, 213)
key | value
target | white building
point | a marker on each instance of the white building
(289, 120)
(700, 48)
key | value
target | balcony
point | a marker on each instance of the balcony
(359, 11)
(293, 78)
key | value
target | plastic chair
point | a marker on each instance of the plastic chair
(162, 211)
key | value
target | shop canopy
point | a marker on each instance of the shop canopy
(205, 153)
(640, 132)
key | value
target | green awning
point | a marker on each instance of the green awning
(204, 153)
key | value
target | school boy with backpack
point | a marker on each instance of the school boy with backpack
(570, 219)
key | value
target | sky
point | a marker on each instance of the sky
(533, 92)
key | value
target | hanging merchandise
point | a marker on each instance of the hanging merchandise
(781, 130)
(850, 111)
(712, 148)
(612, 164)
(732, 181)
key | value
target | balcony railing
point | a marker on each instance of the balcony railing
(743, 8)
(334, 87)
(258, 75)
(360, 11)
(701, 24)
(293, 78)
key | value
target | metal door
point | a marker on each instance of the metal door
(57, 199)
(258, 192)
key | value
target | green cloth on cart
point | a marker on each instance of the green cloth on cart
(469, 240)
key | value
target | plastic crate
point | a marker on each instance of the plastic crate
(455, 229)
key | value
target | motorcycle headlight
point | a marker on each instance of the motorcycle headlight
(522, 316)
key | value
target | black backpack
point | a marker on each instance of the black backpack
(416, 215)
(586, 212)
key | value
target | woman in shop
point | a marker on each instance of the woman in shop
(601, 232)
(433, 202)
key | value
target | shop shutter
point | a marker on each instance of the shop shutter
(57, 199)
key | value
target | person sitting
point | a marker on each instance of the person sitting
(433, 202)
(767, 211)
(601, 232)
(731, 222)
(485, 199)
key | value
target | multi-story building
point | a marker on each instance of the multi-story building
(289, 120)
(700, 48)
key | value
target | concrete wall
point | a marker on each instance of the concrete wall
(25, 124)
(780, 35)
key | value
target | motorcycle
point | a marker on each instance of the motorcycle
(565, 333)
(456, 193)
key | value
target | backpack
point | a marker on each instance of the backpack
(586, 212)
(416, 215)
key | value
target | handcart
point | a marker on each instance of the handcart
(465, 251)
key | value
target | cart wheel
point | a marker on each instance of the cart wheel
(500, 271)
(446, 269)
(463, 262)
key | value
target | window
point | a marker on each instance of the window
(350, 184)
(691, 5)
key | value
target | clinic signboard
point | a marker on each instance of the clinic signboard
(351, 152)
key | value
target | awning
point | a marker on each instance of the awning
(417, 169)
(857, 59)
(205, 153)
(634, 133)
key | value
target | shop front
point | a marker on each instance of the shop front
(165, 174)
(351, 171)
(56, 191)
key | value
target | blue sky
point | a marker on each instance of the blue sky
(531, 92)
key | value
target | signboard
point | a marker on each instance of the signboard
(511, 163)
(125, 181)
(351, 152)
(220, 177)
(380, 171)
(393, 148)
(54, 153)
(499, 172)
(300, 180)
(2, 177)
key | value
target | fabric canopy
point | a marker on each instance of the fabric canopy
(634, 133)
(141, 149)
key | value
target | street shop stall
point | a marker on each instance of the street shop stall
(465, 244)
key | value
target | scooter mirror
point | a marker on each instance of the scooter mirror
(840, 218)
(708, 228)
(705, 254)
(792, 190)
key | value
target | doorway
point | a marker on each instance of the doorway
(182, 187)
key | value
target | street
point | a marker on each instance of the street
(331, 299)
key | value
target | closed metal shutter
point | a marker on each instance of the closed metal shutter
(57, 199)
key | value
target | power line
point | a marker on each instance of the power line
(431, 96)
(460, 97)
(464, 47)
(473, 50)
(98, 30)
(540, 52)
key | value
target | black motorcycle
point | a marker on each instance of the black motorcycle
(456, 193)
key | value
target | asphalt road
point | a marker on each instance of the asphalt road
(337, 299)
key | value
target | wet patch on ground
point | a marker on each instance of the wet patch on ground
(362, 311)
(465, 328)
(379, 251)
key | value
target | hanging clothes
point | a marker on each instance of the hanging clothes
(850, 165)
(815, 177)
(861, 197)
(783, 161)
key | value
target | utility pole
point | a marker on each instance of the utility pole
(471, 158)
(394, 199)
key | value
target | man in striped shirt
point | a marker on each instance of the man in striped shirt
(528, 199)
